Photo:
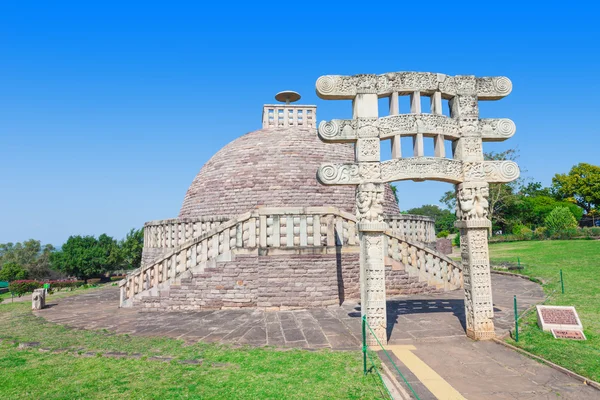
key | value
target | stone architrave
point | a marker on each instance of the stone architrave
(467, 169)
(38, 299)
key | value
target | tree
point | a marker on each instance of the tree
(533, 210)
(580, 186)
(395, 193)
(560, 219)
(444, 219)
(131, 248)
(86, 256)
(13, 272)
(30, 254)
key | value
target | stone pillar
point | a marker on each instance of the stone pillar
(369, 211)
(472, 211)
(371, 227)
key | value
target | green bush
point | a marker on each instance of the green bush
(517, 228)
(59, 285)
(94, 281)
(456, 241)
(443, 234)
(526, 231)
(117, 278)
(13, 272)
(560, 219)
(19, 288)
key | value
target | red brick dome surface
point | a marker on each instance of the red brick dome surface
(271, 167)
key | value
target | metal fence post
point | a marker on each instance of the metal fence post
(562, 282)
(364, 343)
(516, 321)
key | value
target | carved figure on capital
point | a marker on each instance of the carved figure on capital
(472, 201)
(369, 202)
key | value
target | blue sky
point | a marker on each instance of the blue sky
(109, 110)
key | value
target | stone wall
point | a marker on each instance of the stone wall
(279, 281)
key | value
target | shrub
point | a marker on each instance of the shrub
(560, 219)
(518, 229)
(59, 285)
(94, 281)
(443, 234)
(21, 287)
(13, 272)
(117, 278)
(456, 241)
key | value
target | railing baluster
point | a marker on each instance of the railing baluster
(303, 231)
(316, 230)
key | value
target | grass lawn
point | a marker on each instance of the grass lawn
(225, 372)
(580, 262)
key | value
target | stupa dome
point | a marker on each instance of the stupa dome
(273, 166)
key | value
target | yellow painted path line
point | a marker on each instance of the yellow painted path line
(428, 377)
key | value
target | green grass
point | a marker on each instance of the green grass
(580, 262)
(249, 373)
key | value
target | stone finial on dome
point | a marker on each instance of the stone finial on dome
(287, 115)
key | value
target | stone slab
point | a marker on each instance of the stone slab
(568, 334)
(558, 317)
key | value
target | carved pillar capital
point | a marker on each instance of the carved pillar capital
(369, 207)
(472, 206)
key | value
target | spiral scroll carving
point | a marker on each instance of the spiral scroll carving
(509, 170)
(501, 171)
(325, 84)
(503, 85)
(506, 127)
(329, 129)
(330, 174)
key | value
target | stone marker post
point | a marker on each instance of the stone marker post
(38, 299)
(466, 169)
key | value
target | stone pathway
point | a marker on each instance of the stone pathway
(432, 325)
(409, 317)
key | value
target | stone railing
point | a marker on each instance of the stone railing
(414, 228)
(286, 115)
(260, 228)
(434, 268)
(170, 233)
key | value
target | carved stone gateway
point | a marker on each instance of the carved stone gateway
(467, 169)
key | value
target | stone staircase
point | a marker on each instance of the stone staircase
(247, 262)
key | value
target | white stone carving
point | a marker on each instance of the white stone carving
(368, 149)
(369, 203)
(496, 129)
(489, 129)
(472, 201)
(346, 87)
(501, 171)
(468, 169)
(422, 168)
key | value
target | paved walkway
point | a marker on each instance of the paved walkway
(426, 336)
